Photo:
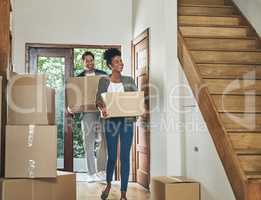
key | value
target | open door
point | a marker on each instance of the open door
(57, 64)
(140, 72)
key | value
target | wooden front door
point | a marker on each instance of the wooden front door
(57, 64)
(140, 71)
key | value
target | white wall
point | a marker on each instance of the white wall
(72, 22)
(201, 158)
(156, 15)
(251, 9)
(172, 144)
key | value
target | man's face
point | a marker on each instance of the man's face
(88, 63)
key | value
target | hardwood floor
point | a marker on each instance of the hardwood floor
(92, 191)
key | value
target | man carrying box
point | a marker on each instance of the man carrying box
(91, 124)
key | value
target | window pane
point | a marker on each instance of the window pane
(54, 68)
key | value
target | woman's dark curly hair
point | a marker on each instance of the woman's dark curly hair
(109, 54)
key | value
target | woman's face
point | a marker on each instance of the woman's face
(88, 62)
(117, 64)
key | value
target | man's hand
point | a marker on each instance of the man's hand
(69, 112)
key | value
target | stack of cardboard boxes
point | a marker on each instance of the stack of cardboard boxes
(31, 144)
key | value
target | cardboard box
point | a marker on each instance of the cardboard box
(30, 101)
(124, 104)
(24, 189)
(174, 188)
(63, 187)
(81, 93)
(31, 151)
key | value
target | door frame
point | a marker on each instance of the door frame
(28, 46)
(34, 52)
(68, 138)
(144, 35)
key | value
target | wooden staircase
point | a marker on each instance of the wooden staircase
(221, 56)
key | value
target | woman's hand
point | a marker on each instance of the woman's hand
(104, 112)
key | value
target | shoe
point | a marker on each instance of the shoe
(123, 196)
(104, 195)
(106, 192)
(93, 178)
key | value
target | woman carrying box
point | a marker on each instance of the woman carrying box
(116, 127)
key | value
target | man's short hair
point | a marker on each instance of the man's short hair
(87, 53)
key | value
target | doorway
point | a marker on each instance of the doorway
(56, 62)
(140, 73)
(60, 62)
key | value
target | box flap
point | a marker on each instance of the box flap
(173, 179)
(28, 79)
(62, 173)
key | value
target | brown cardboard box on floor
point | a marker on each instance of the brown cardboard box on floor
(25, 189)
(124, 104)
(174, 188)
(81, 93)
(30, 151)
(30, 101)
(63, 187)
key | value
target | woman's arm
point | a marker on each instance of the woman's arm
(99, 102)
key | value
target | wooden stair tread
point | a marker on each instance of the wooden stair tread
(227, 50)
(248, 151)
(203, 5)
(237, 103)
(237, 86)
(223, 44)
(233, 57)
(214, 31)
(209, 20)
(253, 175)
(230, 78)
(250, 163)
(215, 26)
(211, 11)
(221, 37)
(213, 16)
(230, 63)
(244, 132)
(238, 130)
(228, 71)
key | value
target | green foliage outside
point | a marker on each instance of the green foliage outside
(54, 68)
